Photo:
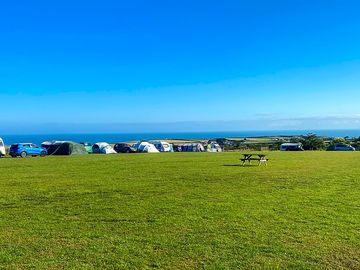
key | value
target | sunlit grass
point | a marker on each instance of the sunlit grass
(180, 211)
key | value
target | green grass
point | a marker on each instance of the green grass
(180, 211)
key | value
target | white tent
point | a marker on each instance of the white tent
(213, 147)
(145, 147)
(163, 146)
(2, 148)
(103, 148)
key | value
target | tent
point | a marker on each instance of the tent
(2, 148)
(88, 147)
(64, 148)
(192, 147)
(163, 146)
(213, 147)
(145, 147)
(103, 148)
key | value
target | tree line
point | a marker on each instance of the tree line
(309, 142)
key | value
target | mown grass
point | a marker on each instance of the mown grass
(180, 211)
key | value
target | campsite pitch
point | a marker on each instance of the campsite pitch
(180, 211)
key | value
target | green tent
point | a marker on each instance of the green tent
(65, 148)
(88, 147)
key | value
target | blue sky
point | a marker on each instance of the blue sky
(122, 66)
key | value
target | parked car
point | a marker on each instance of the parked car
(26, 149)
(124, 148)
(2, 148)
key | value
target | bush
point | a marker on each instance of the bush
(312, 142)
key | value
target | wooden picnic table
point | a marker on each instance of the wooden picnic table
(261, 158)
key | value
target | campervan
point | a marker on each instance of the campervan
(291, 147)
(2, 148)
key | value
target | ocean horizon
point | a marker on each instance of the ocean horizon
(127, 137)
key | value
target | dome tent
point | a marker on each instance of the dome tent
(88, 146)
(145, 147)
(163, 146)
(213, 147)
(2, 148)
(103, 148)
(64, 148)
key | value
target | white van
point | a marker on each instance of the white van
(2, 148)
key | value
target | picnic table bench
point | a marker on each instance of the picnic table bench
(260, 158)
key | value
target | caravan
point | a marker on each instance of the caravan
(342, 147)
(2, 148)
(291, 147)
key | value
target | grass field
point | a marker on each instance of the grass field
(180, 211)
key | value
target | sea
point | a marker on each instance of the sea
(130, 137)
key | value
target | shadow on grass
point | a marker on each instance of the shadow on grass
(240, 165)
